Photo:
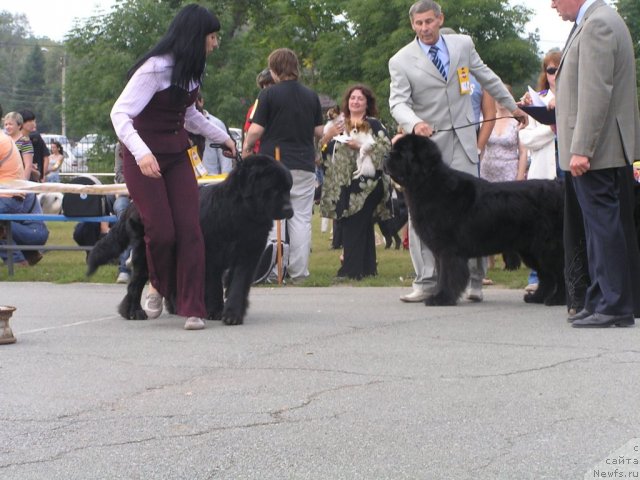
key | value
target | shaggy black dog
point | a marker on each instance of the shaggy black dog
(236, 216)
(390, 228)
(459, 216)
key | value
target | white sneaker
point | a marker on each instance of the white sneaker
(415, 296)
(532, 287)
(123, 277)
(153, 305)
(194, 323)
(474, 294)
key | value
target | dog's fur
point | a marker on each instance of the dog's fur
(51, 203)
(459, 216)
(362, 133)
(236, 216)
(390, 227)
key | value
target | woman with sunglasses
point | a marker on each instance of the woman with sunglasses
(540, 139)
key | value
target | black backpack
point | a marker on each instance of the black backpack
(81, 204)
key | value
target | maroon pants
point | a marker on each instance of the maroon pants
(170, 212)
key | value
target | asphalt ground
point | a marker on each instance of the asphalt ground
(319, 383)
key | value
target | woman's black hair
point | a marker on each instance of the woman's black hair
(185, 41)
(59, 145)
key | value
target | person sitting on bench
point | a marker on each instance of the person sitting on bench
(27, 232)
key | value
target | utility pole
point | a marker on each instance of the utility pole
(63, 118)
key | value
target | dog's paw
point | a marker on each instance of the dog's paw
(555, 300)
(138, 315)
(216, 315)
(533, 298)
(133, 314)
(129, 310)
(231, 318)
(439, 300)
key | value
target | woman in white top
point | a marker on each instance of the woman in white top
(151, 118)
(56, 158)
(538, 138)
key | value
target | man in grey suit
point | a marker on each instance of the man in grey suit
(430, 94)
(598, 138)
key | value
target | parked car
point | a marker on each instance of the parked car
(71, 163)
(84, 145)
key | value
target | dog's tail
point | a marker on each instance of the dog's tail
(512, 260)
(110, 246)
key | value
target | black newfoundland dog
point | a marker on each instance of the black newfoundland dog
(459, 216)
(236, 216)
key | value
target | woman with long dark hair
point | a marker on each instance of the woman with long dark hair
(356, 196)
(151, 118)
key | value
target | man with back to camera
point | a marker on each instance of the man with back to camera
(598, 139)
(430, 90)
(288, 116)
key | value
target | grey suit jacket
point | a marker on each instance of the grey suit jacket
(596, 99)
(420, 94)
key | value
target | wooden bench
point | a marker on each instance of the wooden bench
(7, 218)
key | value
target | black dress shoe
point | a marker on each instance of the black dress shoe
(601, 320)
(578, 316)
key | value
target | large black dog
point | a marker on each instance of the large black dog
(459, 216)
(390, 227)
(236, 216)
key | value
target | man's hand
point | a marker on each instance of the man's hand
(149, 166)
(521, 117)
(423, 128)
(579, 165)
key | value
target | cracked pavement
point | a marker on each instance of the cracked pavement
(319, 383)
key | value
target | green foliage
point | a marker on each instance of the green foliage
(100, 52)
(338, 42)
(630, 11)
(30, 73)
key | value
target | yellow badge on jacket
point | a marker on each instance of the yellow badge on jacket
(465, 81)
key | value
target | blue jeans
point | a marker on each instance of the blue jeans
(23, 233)
(119, 206)
(11, 205)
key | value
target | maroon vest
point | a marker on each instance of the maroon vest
(161, 123)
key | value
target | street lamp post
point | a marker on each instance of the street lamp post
(63, 117)
(63, 80)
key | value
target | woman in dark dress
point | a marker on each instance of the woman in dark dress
(354, 197)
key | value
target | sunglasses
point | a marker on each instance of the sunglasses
(551, 70)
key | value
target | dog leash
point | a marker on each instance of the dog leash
(222, 146)
(438, 130)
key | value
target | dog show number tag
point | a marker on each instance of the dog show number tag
(465, 81)
(198, 167)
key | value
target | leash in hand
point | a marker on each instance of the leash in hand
(223, 147)
(437, 130)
